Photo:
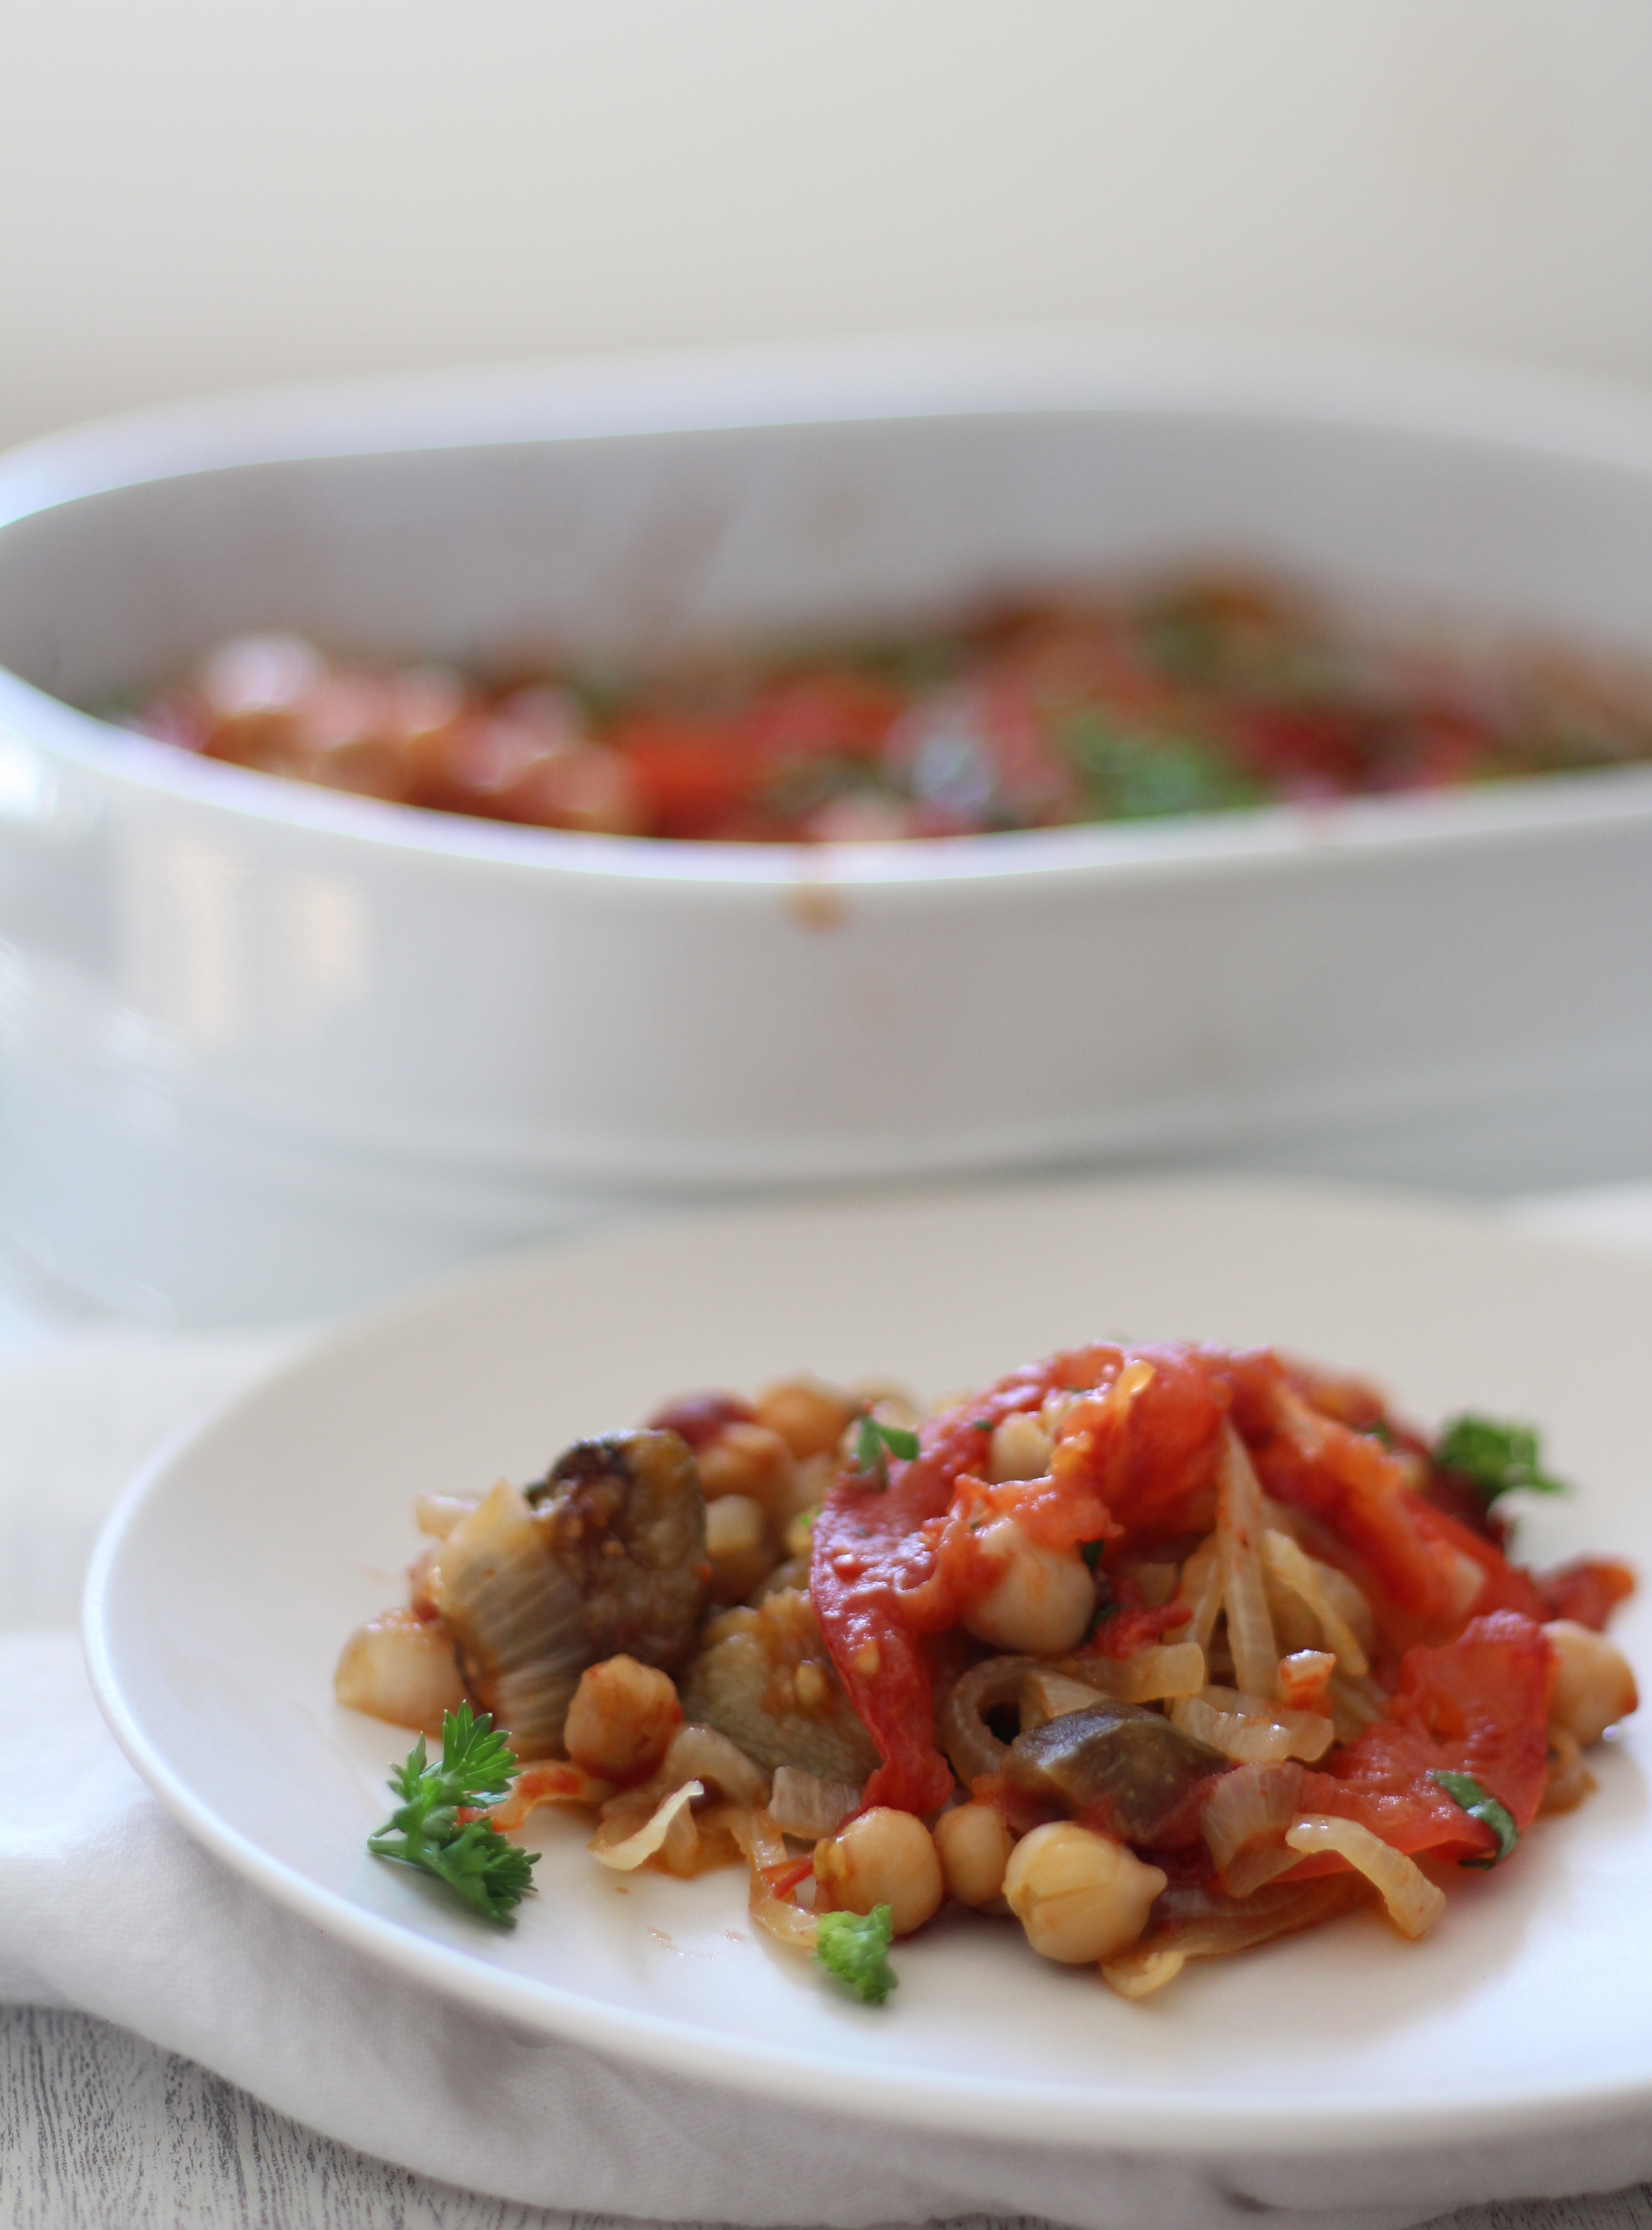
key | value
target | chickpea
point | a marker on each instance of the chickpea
(798, 1539)
(741, 1618)
(621, 1719)
(974, 1842)
(1020, 1449)
(1594, 1688)
(1042, 1599)
(1079, 1896)
(882, 1857)
(816, 1477)
(809, 1417)
(739, 1545)
(750, 1460)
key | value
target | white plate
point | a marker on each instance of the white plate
(234, 1569)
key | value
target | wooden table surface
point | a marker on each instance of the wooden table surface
(101, 2131)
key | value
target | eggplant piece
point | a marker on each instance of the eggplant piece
(767, 1682)
(604, 1555)
(1120, 1765)
(625, 1516)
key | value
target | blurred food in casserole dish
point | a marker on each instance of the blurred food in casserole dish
(1200, 694)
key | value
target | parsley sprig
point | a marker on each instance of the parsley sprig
(1495, 1459)
(876, 1442)
(1463, 1789)
(854, 1947)
(475, 1767)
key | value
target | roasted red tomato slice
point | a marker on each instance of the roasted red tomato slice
(1479, 1705)
(1588, 1592)
(1152, 1459)
(874, 1584)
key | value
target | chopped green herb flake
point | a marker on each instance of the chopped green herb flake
(1132, 774)
(871, 1458)
(1463, 1789)
(476, 1768)
(1091, 1552)
(1497, 1459)
(1106, 1603)
(876, 1442)
(854, 1947)
(1380, 1430)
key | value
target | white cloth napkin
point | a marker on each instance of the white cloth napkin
(107, 1906)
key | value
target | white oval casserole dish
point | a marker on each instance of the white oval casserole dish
(269, 1049)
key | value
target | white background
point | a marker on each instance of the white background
(205, 193)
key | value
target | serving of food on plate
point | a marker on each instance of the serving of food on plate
(1199, 693)
(1162, 1652)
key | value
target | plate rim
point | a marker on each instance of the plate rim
(1081, 2120)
